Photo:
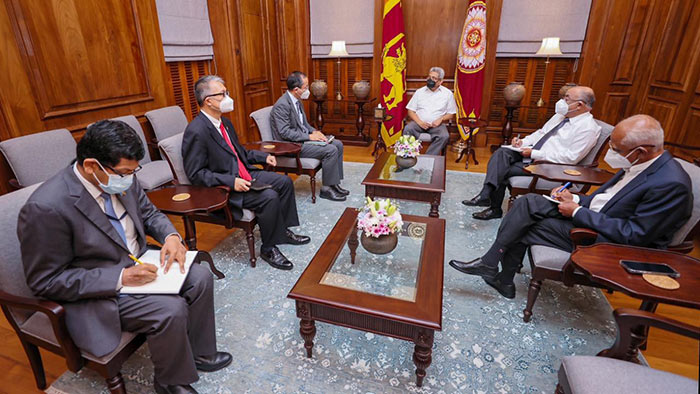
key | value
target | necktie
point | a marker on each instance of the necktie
(242, 171)
(300, 113)
(549, 134)
(109, 211)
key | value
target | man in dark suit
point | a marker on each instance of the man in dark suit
(288, 122)
(76, 232)
(644, 204)
(213, 157)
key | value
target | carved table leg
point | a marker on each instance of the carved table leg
(352, 244)
(422, 355)
(190, 233)
(307, 328)
(434, 212)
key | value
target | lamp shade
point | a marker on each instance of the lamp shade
(550, 46)
(338, 48)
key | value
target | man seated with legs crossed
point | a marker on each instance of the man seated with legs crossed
(566, 139)
(87, 220)
(644, 204)
(288, 123)
(213, 157)
(429, 108)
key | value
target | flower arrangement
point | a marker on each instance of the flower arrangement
(380, 217)
(407, 146)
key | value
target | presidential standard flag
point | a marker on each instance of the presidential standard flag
(393, 76)
(471, 55)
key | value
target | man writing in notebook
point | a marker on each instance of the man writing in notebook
(76, 233)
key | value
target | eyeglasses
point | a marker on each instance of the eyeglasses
(222, 94)
(618, 150)
(122, 174)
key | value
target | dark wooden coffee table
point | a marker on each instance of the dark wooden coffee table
(424, 182)
(275, 148)
(335, 290)
(555, 172)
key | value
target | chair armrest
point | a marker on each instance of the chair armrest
(57, 316)
(562, 164)
(582, 236)
(683, 247)
(628, 322)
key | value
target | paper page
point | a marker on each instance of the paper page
(551, 199)
(169, 283)
(511, 147)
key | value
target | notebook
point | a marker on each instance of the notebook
(169, 283)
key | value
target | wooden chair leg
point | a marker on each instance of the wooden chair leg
(532, 292)
(250, 238)
(559, 389)
(34, 357)
(313, 189)
(511, 200)
(207, 258)
(115, 384)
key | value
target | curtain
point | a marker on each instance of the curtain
(185, 30)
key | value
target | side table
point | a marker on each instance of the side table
(472, 124)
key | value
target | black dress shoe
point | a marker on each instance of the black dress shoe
(488, 214)
(505, 289)
(477, 201)
(340, 190)
(474, 267)
(331, 194)
(173, 389)
(213, 363)
(295, 239)
(276, 259)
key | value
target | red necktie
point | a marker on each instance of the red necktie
(242, 171)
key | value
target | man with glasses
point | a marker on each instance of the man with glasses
(76, 233)
(288, 122)
(430, 107)
(213, 157)
(566, 139)
(644, 204)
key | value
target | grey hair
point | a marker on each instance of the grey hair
(439, 70)
(201, 87)
(645, 130)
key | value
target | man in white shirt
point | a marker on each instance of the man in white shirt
(644, 204)
(429, 108)
(566, 138)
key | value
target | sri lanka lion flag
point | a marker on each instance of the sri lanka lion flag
(393, 78)
(471, 54)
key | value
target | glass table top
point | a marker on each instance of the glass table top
(391, 275)
(422, 172)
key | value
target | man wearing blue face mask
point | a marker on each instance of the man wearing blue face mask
(644, 204)
(76, 233)
(566, 139)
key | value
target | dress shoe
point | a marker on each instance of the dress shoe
(213, 363)
(331, 194)
(474, 267)
(477, 201)
(173, 389)
(276, 259)
(488, 214)
(505, 289)
(340, 190)
(295, 239)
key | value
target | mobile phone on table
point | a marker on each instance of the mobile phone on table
(643, 267)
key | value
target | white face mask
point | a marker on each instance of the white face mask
(306, 94)
(226, 105)
(561, 107)
(616, 160)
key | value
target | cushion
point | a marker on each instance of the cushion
(694, 173)
(306, 162)
(594, 375)
(167, 122)
(248, 215)
(134, 124)
(12, 278)
(548, 257)
(605, 131)
(262, 120)
(154, 174)
(56, 148)
(171, 148)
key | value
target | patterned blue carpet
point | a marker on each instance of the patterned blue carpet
(484, 346)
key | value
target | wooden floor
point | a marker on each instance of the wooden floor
(666, 351)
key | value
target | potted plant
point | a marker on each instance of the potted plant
(407, 149)
(380, 222)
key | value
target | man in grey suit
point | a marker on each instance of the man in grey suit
(288, 122)
(76, 233)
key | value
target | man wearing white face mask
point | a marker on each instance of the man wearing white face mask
(288, 122)
(566, 139)
(642, 205)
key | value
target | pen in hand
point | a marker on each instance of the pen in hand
(561, 189)
(131, 256)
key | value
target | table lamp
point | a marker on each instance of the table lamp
(338, 50)
(549, 47)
